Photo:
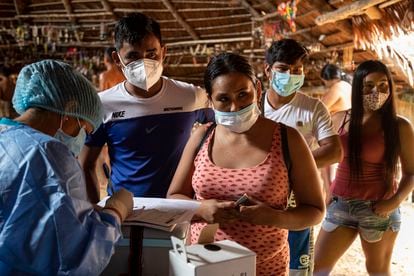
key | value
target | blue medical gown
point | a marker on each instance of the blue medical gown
(47, 226)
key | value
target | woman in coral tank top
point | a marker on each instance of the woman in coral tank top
(244, 155)
(365, 194)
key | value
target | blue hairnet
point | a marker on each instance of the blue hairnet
(57, 87)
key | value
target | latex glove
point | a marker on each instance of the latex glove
(121, 203)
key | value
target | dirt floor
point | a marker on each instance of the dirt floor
(353, 262)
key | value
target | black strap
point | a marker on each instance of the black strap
(344, 121)
(208, 131)
(262, 103)
(285, 149)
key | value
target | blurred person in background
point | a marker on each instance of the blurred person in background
(113, 74)
(6, 93)
(337, 96)
(47, 224)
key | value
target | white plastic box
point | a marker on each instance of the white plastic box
(223, 258)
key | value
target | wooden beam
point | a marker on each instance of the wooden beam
(223, 26)
(10, 5)
(251, 10)
(346, 11)
(209, 41)
(389, 3)
(36, 5)
(86, 14)
(180, 20)
(238, 16)
(232, 34)
(131, 10)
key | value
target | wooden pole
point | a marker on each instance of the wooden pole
(347, 11)
(251, 10)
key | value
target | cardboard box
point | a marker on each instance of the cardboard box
(219, 258)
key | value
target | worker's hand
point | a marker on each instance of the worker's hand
(121, 203)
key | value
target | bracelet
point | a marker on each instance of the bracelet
(113, 210)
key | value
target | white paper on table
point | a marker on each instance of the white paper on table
(160, 211)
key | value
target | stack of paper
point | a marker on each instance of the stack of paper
(160, 213)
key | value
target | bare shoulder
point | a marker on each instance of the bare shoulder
(338, 118)
(339, 115)
(293, 134)
(404, 124)
(198, 133)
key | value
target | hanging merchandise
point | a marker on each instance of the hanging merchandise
(272, 30)
(287, 10)
(20, 35)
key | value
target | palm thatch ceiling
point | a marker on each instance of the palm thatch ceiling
(341, 31)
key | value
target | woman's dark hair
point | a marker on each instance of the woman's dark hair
(388, 121)
(134, 27)
(288, 51)
(226, 63)
(331, 71)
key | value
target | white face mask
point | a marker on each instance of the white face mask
(74, 144)
(240, 121)
(143, 73)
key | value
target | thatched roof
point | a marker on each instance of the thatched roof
(339, 31)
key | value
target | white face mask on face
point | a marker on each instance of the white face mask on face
(240, 121)
(74, 144)
(143, 73)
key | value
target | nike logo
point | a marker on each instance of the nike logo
(151, 129)
(118, 114)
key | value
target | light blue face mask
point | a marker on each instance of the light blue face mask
(74, 144)
(239, 121)
(286, 84)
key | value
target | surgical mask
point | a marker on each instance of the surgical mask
(374, 100)
(143, 73)
(286, 84)
(74, 144)
(240, 121)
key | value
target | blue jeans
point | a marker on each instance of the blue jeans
(358, 214)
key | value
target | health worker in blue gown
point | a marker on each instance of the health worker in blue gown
(47, 225)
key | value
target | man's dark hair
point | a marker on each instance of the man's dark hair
(134, 27)
(285, 50)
